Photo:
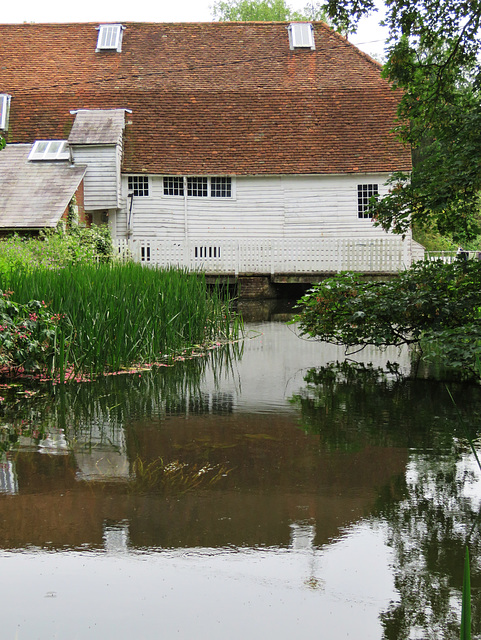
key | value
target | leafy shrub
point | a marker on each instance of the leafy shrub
(27, 334)
(432, 304)
(57, 248)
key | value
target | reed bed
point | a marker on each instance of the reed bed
(117, 315)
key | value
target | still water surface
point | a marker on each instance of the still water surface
(227, 497)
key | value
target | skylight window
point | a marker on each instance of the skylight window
(301, 35)
(110, 37)
(50, 150)
(4, 110)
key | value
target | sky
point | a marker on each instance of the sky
(369, 37)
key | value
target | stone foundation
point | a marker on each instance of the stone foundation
(251, 287)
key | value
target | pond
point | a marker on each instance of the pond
(229, 497)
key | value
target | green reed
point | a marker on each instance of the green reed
(465, 633)
(118, 315)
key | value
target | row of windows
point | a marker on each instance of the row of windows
(221, 187)
(197, 187)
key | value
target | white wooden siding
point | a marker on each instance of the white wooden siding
(102, 181)
(263, 208)
(327, 206)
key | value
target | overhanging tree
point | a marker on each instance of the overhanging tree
(264, 11)
(434, 58)
(433, 305)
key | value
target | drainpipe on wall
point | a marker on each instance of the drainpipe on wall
(186, 227)
(130, 196)
(130, 220)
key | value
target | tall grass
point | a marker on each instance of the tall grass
(120, 314)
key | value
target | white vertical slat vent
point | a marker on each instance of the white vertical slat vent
(301, 35)
(110, 37)
(4, 110)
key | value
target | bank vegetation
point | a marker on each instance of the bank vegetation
(69, 310)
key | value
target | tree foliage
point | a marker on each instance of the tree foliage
(433, 55)
(433, 305)
(264, 11)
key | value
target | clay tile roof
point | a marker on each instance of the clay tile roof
(228, 98)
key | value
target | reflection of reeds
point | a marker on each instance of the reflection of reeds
(106, 405)
(466, 601)
(175, 478)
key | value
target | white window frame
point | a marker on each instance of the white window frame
(301, 35)
(198, 186)
(225, 183)
(110, 37)
(4, 110)
(364, 194)
(175, 184)
(183, 187)
(138, 184)
(48, 150)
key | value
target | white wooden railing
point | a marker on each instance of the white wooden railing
(282, 256)
(451, 256)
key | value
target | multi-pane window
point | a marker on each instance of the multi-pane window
(139, 185)
(197, 187)
(364, 193)
(221, 187)
(173, 186)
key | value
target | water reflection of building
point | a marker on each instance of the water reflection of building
(274, 362)
(237, 416)
(197, 404)
(116, 537)
(100, 452)
(55, 443)
(8, 476)
(302, 535)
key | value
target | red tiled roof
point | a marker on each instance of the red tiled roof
(229, 98)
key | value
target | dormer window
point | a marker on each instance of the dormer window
(49, 150)
(4, 110)
(301, 35)
(110, 37)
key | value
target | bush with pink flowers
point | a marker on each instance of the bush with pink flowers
(27, 334)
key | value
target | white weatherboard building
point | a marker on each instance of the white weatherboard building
(236, 148)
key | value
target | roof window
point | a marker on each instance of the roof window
(49, 150)
(301, 35)
(110, 37)
(4, 110)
